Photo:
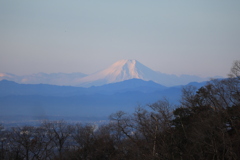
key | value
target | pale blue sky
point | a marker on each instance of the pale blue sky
(175, 37)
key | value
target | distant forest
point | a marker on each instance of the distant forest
(205, 126)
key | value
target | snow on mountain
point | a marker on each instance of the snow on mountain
(120, 71)
(128, 69)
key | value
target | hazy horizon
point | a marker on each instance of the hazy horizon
(99, 71)
(184, 37)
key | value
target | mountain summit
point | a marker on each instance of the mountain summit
(128, 69)
(119, 71)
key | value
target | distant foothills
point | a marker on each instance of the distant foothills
(24, 103)
(120, 71)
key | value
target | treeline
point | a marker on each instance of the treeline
(205, 126)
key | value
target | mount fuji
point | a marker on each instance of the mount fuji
(128, 69)
(119, 71)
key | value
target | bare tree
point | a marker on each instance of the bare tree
(83, 137)
(235, 70)
(58, 132)
(23, 142)
(3, 141)
(146, 129)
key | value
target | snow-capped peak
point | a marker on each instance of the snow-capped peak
(119, 71)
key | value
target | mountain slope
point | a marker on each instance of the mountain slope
(12, 88)
(129, 69)
(119, 71)
(131, 85)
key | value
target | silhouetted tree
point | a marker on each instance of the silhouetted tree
(58, 132)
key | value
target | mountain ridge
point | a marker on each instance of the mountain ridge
(50, 100)
(119, 71)
(44, 78)
(12, 88)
